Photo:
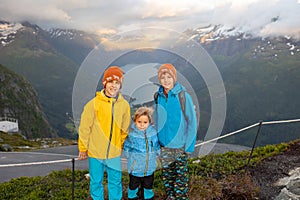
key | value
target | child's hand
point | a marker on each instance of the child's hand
(82, 155)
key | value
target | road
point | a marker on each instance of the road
(31, 162)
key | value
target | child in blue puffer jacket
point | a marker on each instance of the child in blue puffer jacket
(177, 132)
(141, 148)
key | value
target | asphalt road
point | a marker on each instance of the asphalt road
(36, 163)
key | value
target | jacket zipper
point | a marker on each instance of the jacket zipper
(165, 135)
(147, 155)
(111, 128)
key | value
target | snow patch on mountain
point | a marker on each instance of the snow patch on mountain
(8, 32)
(64, 33)
(210, 33)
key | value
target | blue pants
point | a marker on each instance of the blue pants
(114, 178)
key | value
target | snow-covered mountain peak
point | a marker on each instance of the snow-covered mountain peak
(8, 32)
(215, 32)
(270, 47)
(66, 33)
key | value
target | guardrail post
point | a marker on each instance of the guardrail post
(254, 143)
(73, 177)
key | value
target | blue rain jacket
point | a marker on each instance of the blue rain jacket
(141, 149)
(173, 130)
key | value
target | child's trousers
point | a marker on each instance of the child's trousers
(175, 173)
(114, 178)
(146, 185)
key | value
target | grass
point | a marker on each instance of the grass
(20, 143)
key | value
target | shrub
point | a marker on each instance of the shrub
(239, 186)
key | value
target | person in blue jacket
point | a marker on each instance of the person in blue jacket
(141, 148)
(176, 132)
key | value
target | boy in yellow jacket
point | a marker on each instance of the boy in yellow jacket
(102, 131)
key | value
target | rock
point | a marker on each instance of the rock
(6, 147)
(286, 195)
(293, 174)
(291, 191)
(294, 186)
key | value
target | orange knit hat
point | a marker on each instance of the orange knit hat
(112, 73)
(167, 68)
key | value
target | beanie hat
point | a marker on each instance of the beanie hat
(167, 68)
(112, 73)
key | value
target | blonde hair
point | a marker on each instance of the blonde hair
(141, 111)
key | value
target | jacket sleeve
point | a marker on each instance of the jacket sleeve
(86, 123)
(127, 147)
(191, 125)
(125, 123)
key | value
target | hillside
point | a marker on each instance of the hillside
(42, 57)
(261, 75)
(19, 100)
(261, 78)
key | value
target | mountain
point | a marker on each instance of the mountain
(261, 75)
(73, 44)
(49, 61)
(19, 100)
(261, 78)
(220, 40)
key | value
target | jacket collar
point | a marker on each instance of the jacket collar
(175, 90)
(139, 133)
(101, 96)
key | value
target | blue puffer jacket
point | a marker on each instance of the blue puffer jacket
(141, 149)
(173, 130)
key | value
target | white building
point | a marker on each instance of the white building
(9, 124)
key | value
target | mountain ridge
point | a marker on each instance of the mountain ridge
(251, 67)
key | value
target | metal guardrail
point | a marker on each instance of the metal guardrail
(248, 127)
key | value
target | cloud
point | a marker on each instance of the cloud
(39, 12)
(121, 15)
(266, 17)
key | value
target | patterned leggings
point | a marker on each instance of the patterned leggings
(175, 173)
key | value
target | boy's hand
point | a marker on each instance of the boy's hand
(82, 155)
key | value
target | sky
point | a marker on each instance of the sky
(114, 16)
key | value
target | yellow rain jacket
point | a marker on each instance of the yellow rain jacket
(104, 126)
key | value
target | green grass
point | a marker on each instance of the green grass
(17, 142)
